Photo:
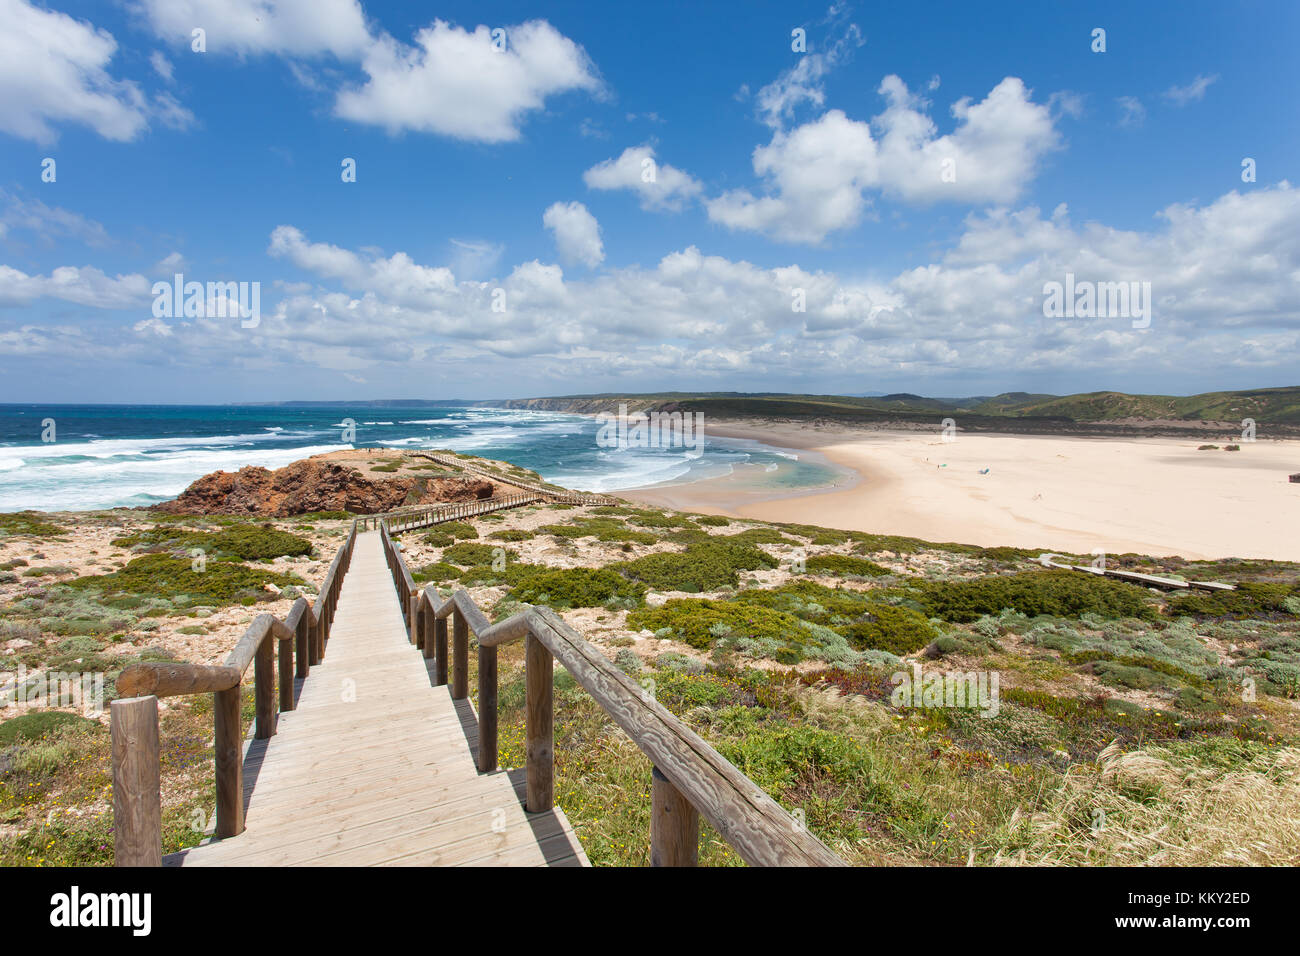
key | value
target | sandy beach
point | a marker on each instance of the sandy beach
(1150, 496)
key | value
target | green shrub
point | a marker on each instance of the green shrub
(30, 524)
(816, 534)
(655, 519)
(757, 536)
(843, 565)
(164, 576)
(54, 569)
(627, 661)
(34, 726)
(712, 521)
(259, 543)
(248, 542)
(1261, 601)
(700, 622)
(460, 530)
(898, 630)
(467, 553)
(438, 540)
(1058, 593)
(438, 571)
(603, 529)
(573, 587)
(512, 534)
(704, 566)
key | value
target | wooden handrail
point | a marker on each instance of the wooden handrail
(690, 778)
(564, 495)
(137, 803)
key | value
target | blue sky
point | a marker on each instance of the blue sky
(777, 174)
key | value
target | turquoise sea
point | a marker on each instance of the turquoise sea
(105, 456)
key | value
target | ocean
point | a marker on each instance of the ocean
(108, 456)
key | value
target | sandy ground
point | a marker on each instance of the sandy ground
(1150, 496)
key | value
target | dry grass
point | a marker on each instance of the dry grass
(1154, 807)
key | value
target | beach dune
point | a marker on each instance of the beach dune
(1149, 496)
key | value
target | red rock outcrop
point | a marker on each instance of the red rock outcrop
(312, 485)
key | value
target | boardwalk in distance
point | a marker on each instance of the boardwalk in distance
(376, 766)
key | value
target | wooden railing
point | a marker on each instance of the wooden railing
(302, 638)
(554, 493)
(421, 516)
(689, 778)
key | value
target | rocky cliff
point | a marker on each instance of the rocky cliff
(313, 485)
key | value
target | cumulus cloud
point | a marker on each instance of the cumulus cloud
(658, 185)
(83, 285)
(398, 277)
(450, 81)
(818, 174)
(1223, 277)
(803, 82)
(457, 83)
(289, 27)
(577, 233)
(1192, 92)
(53, 70)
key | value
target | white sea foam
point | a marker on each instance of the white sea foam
(73, 483)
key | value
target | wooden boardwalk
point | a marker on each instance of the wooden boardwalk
(376, 766)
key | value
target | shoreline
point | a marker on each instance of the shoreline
(1154, 496)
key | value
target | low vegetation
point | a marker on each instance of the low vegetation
(1175, 714)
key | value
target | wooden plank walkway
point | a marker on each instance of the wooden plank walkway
(376, 766)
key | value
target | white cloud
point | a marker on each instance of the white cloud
(161, 65)
(397, 277)
(84, 285)
(450, 81)
(817, 174)
(454, 83)
(802, 83)
(659, 185)
(1223, 276)
(577, 234)
(288, 27)
(48, 223)
(1192, 92)
(1131, 111)
(53, 70)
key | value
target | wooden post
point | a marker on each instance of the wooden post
(137, 795)
(539, 727)
(264, 689)
(674, 825)
(303, 640)
(230, 762)
(316, 641)
(487, 709)
(413, 619)
(426, 629)
(459, 656)
(285, 670)
(440, 655)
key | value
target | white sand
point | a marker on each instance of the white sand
(1150, 496)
